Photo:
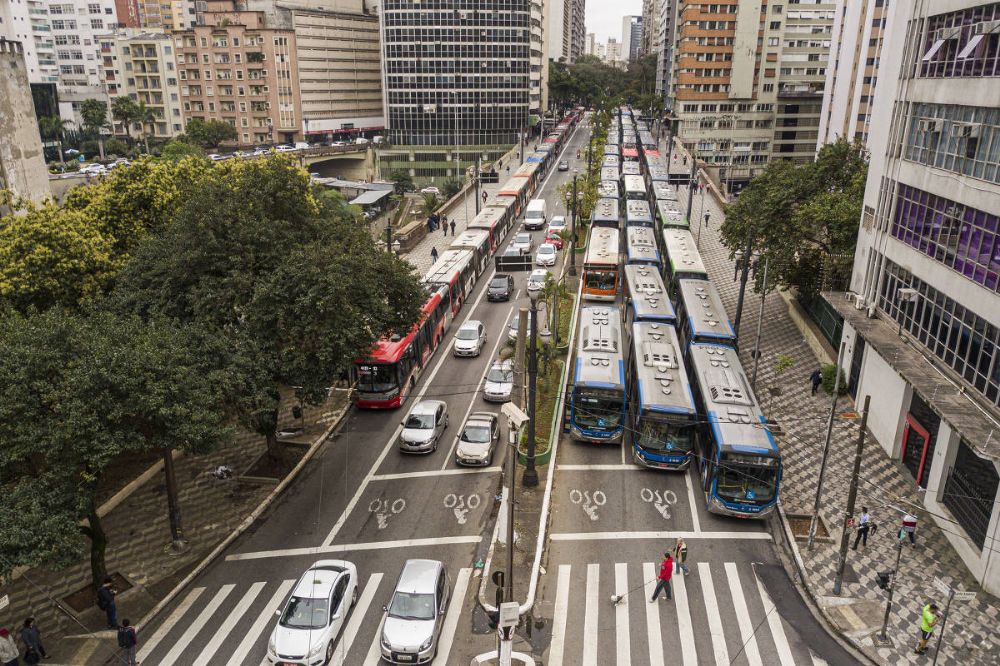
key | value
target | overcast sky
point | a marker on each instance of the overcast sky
(604, 17)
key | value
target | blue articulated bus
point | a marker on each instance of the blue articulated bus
(598, 399)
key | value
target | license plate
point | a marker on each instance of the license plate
(405, 657)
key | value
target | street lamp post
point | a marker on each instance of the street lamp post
(572, 232)
(388, 235)
(745, 256)
(760, 320)
(530, 477)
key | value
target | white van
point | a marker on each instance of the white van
(534, 216)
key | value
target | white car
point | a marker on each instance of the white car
(284, 148)
(523, 243)
(545, 255)
(94, 169)
(261, 151)
(431, 190)
(314, 615)
(339, 143)
(216, 157)
(536, 280)
(479, 439)
(470, 338)
(557, 223)
(499, 380)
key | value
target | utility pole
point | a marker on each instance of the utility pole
(572, 237)
(760, 321)
(694, 162)
(852, 496)
(530, 477)
(743, 281)
(388, 235)
(518, 397)
(173, 505)
(476, 183)
(892, 587)
(826, 450)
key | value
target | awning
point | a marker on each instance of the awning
(370, 197)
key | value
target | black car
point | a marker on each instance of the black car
(501, 287)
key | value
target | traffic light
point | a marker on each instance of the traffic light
(884, 579)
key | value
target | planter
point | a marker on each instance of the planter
(799, 524)
(541, 457)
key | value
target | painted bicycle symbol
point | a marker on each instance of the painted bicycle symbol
(461, 505)
(383, 508)
(660, 501)
(587, 501)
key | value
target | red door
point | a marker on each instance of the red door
(916, 444)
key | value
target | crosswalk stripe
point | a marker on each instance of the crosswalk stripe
(655, 638)
(590, 616)
(774, 622)
(150, 644)
(621, 615)
(688, 651)
(451, 619)
(227, 626)
(743, 616)
(199, 623)
(557, 645)
(357, 617)
(258, 626)
(374, 655)
(714, 620)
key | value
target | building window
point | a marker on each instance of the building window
(962, 43)
(961, 139)
(775, 25)
(970, 491)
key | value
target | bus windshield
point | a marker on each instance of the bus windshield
(596, 408)
(667, 437)
(747, 483)
(603, 280)
(376, 377)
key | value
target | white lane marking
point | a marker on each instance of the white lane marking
(199, 623)
(150, 644)
(392, 440)
(774, 623)
(624, 460)
(258, 626)
(357, 617)
(588, 468)
(590, 631)
(743, 616)
(714, 619)
(653, 634)
(607, 536)
(472, 402)
(447, 636)
(234, 616)
(374, 656)
(691, 502)
(557, 645)
(688, 651)
(622, 640)
(350, 547)
(435, 473)
(818, 661)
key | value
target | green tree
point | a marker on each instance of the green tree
(124, 111)
(430, 202)
(177, 149)
(402, 181)
(142, 117)
(53, 128)
(450, 187)
(210, 133)
(95, 118)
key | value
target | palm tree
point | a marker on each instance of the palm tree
(53, 128)
(143, 115)
(95, 118)
(553, 291)
(123, 110)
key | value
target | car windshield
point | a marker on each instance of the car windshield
(477, 434)
(409, 606)
(746, 483)
(522, 238)
(467, 333)
(376, 378)
(601, 280)
(513, 323)
(598, 409)
(546, 249)
(499, 283)
(305, 613)
(499, 374)
(420, 421)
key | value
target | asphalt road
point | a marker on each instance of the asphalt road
(359, 499)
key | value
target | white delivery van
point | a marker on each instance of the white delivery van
(534, 216)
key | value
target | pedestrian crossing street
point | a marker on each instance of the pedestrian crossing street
(231, 624)
(720, 614)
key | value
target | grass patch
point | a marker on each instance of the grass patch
(547, 388)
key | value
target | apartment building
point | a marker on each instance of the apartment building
(22, 164)
(233, 67)
(632, 31)
(142, 65)
(27, 22)
(613, 52)
(854, 64)
(921, 329)
(748, 82)
(338, 53)
(662, 43)
(566, 31)
(538, 69)
(458, 78)
(590, 47)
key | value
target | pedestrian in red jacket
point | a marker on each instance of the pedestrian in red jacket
(663, 580)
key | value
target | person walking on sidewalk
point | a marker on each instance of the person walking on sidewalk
(452, 223)
(928, 620)
(816, 378)
(663, 580)
(106, 602)
(864, 524)
(909, 529)
(128, 642)
(434, 255)
(31, 636)
(444, 224)
(8, 649)
(680, 556)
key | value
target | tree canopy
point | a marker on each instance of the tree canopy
(209, 133)
(591, 82)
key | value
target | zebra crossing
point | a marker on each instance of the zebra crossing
(720, 614)
(231, 624)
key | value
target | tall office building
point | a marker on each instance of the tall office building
(27, 22)
(631, 38)
(921, 329)
(662, 44)
(854, 62)
(748, 82)
(22, 165)
(650, 21)
(465, 78)
(590, 48)
(566, 29)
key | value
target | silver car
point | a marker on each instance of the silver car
(411, 626)
(499, 381)
(478, 440)
(423, 427)
(470, 338)
(523, 243)
(512, 328)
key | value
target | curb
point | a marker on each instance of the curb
(246, 523)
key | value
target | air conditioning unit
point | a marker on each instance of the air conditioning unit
(986, 27)
(966, 130)
(930, 125)
(859, 302)
(871, 311)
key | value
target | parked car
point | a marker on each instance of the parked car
(545, 255)
(423, 427)
(121, 161)
(512, 328)
(479, 439)
(537, 279)
(557, 223)
(501, 288)
(216, 157)
(261, 151)
(284, 148)
(553, 238)
(361, 141)
(338, 143)
(314, 616)
(523, 243)
(411, 626)
(431, 190)
(564, 166)
(499, 380)
(470, 338)
(94, 169)
(302, 145)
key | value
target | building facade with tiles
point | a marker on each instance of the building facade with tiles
(922, 320)
(142, 65)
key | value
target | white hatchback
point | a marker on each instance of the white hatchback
(545, 255)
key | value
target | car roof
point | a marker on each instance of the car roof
(539, 272)
(545, 245)
(318, 579)
(426, 407)
(419, 576)
(472, 323)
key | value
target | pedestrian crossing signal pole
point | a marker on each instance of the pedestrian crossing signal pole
(852, 496)
(891, 576)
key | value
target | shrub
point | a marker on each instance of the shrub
(827, 373)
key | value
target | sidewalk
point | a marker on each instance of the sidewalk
(885, 488)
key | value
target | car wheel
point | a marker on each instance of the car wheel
(354, 596)
(329, 652)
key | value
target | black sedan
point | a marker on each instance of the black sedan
(501, 288)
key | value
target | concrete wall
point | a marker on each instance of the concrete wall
(22, 164)
(890, 398)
